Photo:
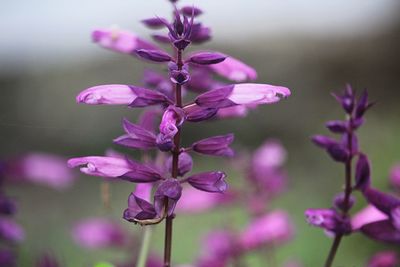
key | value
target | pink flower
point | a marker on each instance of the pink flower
(120, 40)
(367, 215)
(101, 166)
(274, 227)
(234, 70)
(96, 233)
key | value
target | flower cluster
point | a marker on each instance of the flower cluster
(192, 72)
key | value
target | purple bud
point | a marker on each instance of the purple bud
(338, 152)
(328, 219)
(323, 141)
(138, 209)
(185, 164)
(382, 231)
(153, 23)
(120, 40)
(234, 70)
(181, 44)
(7, 206)
(141, 173)
(164, 39)
(195, 113)
(179, 76)
(136, 137)
(96, 233)
(242, 94)
(209, 181)
(168, 192)
(363, 173)
(215, 146)
(206, 58)
(200, 33)
(362, 105)
(337, 126)
(154, 55)
(340, 203)
(384, 259)
(164, 143)
(11, 231)
(382, 201)
(347, 99)
(191, 10)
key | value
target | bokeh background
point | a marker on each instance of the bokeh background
(313, 47)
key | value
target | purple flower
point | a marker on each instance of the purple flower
(328, 219)
(98, 233)
(337, 126)
(272, 228)
(271, 154)
(154, 55)
(173, 118)
(101, 166)
(11, 231)
(366, 216)
(363, 173)
(215, 146)
(167, 195)
(336, 150)
(41, 168)
(213, 182)
(154, 23)
(218, 247)
(234, 70)
(191, 10)
(196, 201)
(195, 113)
(120, 40)
(206, 58)
(185, 164)
(395, 176)
(120, 94)
(384, 259)
(341, 203)
(233, 112)
(347, 99)
(136, 137)
(242, 94)
(138, 209)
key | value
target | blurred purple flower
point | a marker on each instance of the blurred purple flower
(395, 176)
(11, 231)
(328, 219)
(234, 70)
(99, 233)
(120, 40)
(384, 259)
(272, 228)
(41, 168)
(7, 258)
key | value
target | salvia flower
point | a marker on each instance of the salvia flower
(328, 219)
(209, 181)
(95, 233)
(136, 137)
(384, 259)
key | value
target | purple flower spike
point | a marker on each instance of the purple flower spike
(120, 94)
(169, 190)
(185, 164)
(328, 219)
(120, 40)
(11, 231)
(96, 233)
(235, 70)
(136, 137)
(272, 228)
(213, 182)
(395, 176)
(215, 146)
(191, 10)
(154, 23)
(363, 173)
(138, 209)
(384, 259)
(101, 166)
(206, 58)
(242, 94)
(154, 55)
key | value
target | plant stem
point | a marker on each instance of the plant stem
(347, 194)
(175, 166)
(144, 249)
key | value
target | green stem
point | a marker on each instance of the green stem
(144, 249)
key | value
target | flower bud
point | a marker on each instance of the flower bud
(328, 219)
(206, 58)
(191, 10)
(169, 190)
(153, 23)
(215, 146)
(339, 202)
(209, 181)
(337, 126)
(154, 55)
(136, 137)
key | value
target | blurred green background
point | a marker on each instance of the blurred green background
(311, 47)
